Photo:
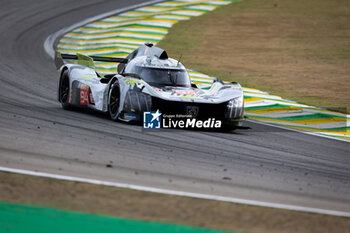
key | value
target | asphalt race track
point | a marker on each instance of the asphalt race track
(263, 163)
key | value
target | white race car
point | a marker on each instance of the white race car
(147, 80)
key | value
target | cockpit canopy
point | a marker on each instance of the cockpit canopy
(159, 72)
(153, 65)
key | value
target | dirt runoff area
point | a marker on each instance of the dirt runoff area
(98, 199)
(297, 49)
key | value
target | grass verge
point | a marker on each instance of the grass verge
(296, 49)
(21, 189)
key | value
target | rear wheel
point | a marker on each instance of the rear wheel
(64, 90)
(114, 101)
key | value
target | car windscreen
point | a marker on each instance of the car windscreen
(164, 77)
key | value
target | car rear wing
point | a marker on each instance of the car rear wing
(84, 59)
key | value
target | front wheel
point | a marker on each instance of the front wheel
(114, 101)
(64, 90)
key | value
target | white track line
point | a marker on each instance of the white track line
(177, 193)
(50, 50)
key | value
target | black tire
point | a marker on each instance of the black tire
(64, 90)
(114, 101)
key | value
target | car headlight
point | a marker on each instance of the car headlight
(235, 107)
(235, 103)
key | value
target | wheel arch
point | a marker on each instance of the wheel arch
(62, 70)
(110, 86)
(106, 93)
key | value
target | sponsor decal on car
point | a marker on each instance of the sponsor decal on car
(129, 116)
(157, 89)
(185, 92)
(91, 98)
(192, 110)
(84, 94)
